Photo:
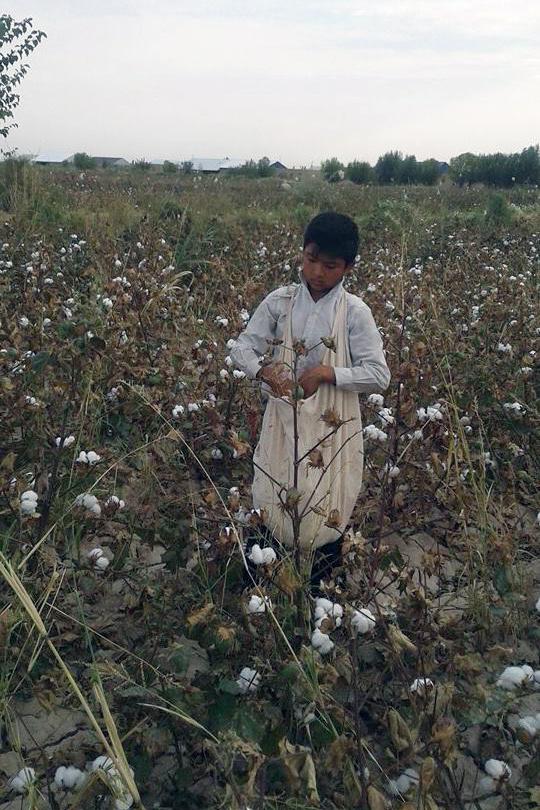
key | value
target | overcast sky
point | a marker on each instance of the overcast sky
(297, 80)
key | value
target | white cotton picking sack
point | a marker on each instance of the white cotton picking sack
(328, 493)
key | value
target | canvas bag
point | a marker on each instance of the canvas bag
(338, 484)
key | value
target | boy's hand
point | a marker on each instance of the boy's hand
(311, 379)
(277, 376)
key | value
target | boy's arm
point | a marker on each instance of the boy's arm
(251, 344)
(369, 373)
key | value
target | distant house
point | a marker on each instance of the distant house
(214, 165)
(443, 166)
(104, 162)
(47, 159)
(278, 167)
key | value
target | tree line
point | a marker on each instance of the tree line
(393, 168)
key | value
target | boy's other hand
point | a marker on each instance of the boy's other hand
(311, 379)
(277, 376)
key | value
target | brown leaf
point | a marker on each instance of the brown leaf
(300, 769)
(376, 800)
(332, 418)
(200, 616)
(316, 459)
(400, 734)
(334, 519)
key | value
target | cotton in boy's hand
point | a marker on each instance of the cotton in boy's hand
(277, 376)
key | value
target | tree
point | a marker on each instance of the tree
(333, 170)
(408, 170)
(360, 172)
(83, 161)
(169, 167)
(263, 168)
(387, 168)
(142, 165)
(12, 69)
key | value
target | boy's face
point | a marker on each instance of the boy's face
(321, 271)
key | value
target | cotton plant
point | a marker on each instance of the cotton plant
(114, 502)
(514, 677)
(67, 442)
(421, 686)
(258, 604)
(23, 780)
(325, 609)
(89, 457)
(528, 728)
(375, 434)
(262, 556)
(497, 774)
(363, 621)
(321, 642)
(68, 777)
(88, 502)
(97, 557)
(123, 800)
(28, 503)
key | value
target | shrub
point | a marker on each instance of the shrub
(169, 167)
(360, 172)
(83, 161)
(332, 170)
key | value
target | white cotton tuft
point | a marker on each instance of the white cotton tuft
(421, 685)
(68, 441)
(363, 621)
(28, 502)
(177, 411)
(68, 777)
(22, 781)
(114, 500)
(530, 725)
(377, 400)
(513, 677)
(487, 785)
(498, 769)
(216, 454)
(262, 556)
(321, 642)
(258, 604)
(92, 457)
(248, 680)
(103, 762)
(538, 605)
(89, 502)
(324, 608)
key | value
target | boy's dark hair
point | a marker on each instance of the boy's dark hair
(334, 234)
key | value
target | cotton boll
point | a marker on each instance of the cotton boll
(269, 555)
(258, 604)
(514, 677)
(262, 556)
(538, 605)
(487, 785)
(103, 762)
(22, 781)
(113, 500)
(177, 411)
(92, 457)
(82, 458)
(363, 621)
(421, 685)
(216, 454)
(102, 563)
(321, 642)
(248, 680)
(68, 441)
(29, 495)
(68, 777)
(192, 407)
(527, 729)
(377, 400)
(498, 769)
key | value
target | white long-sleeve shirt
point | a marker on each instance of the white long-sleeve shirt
(312, 320)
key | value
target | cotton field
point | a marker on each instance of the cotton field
(138, 630)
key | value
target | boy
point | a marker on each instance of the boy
(307, 312)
